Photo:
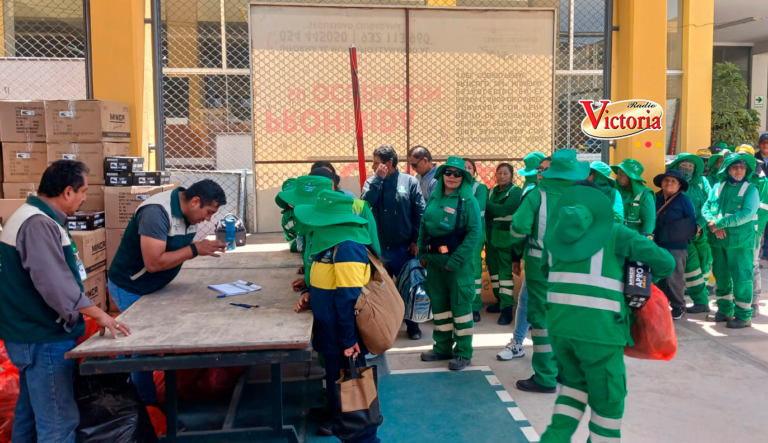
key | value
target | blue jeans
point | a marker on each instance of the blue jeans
(521, 321)
(46, 410)
(144, 381)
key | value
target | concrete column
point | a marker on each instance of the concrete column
(695, 126)
(760, 87)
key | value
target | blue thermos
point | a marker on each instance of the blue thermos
(229, 221)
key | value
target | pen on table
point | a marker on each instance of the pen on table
(243, 305)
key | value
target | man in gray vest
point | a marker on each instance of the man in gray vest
(157, 241)
(42, 304)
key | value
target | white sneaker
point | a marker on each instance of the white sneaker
(512, 350)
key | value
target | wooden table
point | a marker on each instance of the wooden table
(192, 328)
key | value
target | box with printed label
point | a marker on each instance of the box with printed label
(120, 203)
(92, 154)
(114, 237)
(91, 247)
(22, 121)
(24, 162)
(85, 221)
(95, 287)
(118, 179)
(123, 164)
(87, 121)
(117, 149)
(8, 207)
(94, 199)
(151, 178)
(19, 190)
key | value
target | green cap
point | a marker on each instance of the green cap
(633, 168)
(305, 190)
(532, 161)
(565, 166)
(329, 208)
(581, 223)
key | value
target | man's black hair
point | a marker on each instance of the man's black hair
(209, 192)
(505, 165)
(60, 175)
(322, 172)
(386, 153)
(419, 152)
(589, 183)
(546, 159)
(323, 164)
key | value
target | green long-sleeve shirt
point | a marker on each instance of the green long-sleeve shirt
(639, 207)
(618, 207)
(481, 195)
(502, 204)
(734, 208)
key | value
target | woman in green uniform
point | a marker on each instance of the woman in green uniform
(639, 200)
(448, 236)
(502, 203)
(481, 195)
(600, 174)
(714, 163)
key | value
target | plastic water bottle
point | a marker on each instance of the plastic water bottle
(229, 221)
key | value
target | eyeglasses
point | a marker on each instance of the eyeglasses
(541, 169)
(450, 173)
(414, 165)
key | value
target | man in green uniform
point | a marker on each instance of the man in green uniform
(601, 176)
(481, 195)
(448, 235)
(502, 204)
(588, 316)
(639, 200)
(528, 228)
(731, 214)
(697, 265)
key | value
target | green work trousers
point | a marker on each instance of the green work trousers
(697, 269)
(499, 261)
(543, 361)
(594, 375)
(477, 303)
(451, 295)
(733, 274)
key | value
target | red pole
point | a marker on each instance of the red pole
(358, 115)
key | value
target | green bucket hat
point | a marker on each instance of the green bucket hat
(329, 208)
(304, 192)
(565, 166)
(633, 168)
(531, 161)
(289, 184)
(454, 162)
(698, 162)
(714, 158)
(731, 159)
(581, 224)
(604, 170)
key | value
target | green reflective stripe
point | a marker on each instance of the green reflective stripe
(443, 315)
(444, 328)
(584, 301)
(569, 411)
(505, 218)
(463, 318)
(542, 220)
(593, 278)
(463, 332)
(605, 422)
(534, 253)
(743, 189)
(575, 394)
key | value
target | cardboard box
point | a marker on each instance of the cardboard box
(95, 287)
(114, 311)
(24, 162)
(19, 190)
(85, 221)
(94, 198)
(87, 121)
(118, 179)
(92, 154)
(22, 121)
(8, 207)
(92, 247)
(117, 149)
(120, 203)
(123, 164)
(151, 178)
(114, 237)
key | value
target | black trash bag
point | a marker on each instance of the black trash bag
(111, 410)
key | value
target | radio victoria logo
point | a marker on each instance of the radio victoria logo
(607, 121)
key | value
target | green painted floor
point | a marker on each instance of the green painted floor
(467, 406)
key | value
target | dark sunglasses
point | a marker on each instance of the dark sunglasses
(450, 173)
(541, 169)
(415, 165)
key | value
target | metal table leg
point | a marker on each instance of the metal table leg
(279, 429)
(171, 406)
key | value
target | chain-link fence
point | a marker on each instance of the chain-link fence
(210, 98)
(42, 50)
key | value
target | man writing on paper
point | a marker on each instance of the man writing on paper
(157, 241)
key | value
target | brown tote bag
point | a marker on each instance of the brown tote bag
(358, 409)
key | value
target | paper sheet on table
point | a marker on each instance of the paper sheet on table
(239, 287)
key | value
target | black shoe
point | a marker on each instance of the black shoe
(737, 323)
(476, 316)
(530, 385)
(755, 310)
(458, 363)
(319, 415)
(431, 355)
(414, 332)
(506, 316)
(698, 309)
(719, 318)
(494, 308)
(325, 429)
(678, 313)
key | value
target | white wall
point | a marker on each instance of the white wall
(760, 87)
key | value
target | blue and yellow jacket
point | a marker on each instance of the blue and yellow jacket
(336, 283)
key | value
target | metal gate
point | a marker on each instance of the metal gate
(206, 107)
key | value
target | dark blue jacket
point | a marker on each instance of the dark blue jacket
(676, 225)
(397, 206)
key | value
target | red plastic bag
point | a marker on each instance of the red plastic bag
(200, 384)
(158, 420)
(185, 380)
(3, 353)
(653, 333)
(91, 328)
(9, 392)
